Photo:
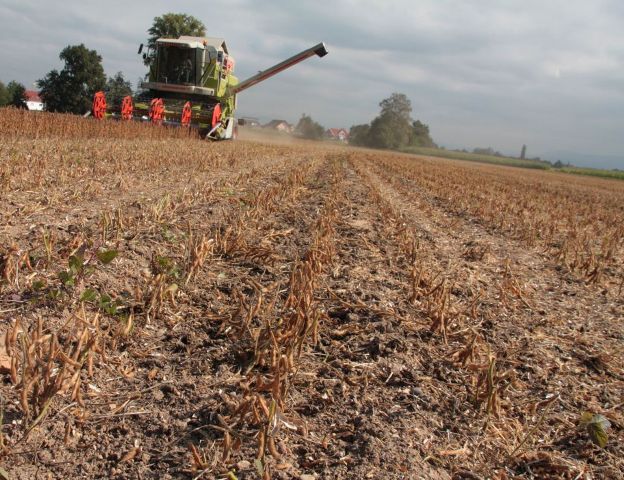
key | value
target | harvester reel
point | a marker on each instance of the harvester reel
(186, 115)
(157, 111)
(127, 108)
(216, 115)
(99, 105)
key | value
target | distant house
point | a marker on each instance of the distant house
(249, 121)
(280, 126)
(33, 100)
(340, 134)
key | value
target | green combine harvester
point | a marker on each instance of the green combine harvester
(192, 84)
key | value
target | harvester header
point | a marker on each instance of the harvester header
(191, 83)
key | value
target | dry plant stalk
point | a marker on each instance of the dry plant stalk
(42, 367)
(489, 386)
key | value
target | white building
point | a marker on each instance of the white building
(33, 100)
(280, 126)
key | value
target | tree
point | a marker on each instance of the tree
(392, 128)
(71, 90)
(172, 25)
(4, 95)
(17, 94)
(487, 151)
(116, 89)
(420, 137)
(358, 135)
(523, 152)
(308, 128)
(389, 132)
(397, 105)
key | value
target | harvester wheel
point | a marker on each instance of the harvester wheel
(216, 115)
(186, 115)
(157, 111)
(99, 105)
(126, 108)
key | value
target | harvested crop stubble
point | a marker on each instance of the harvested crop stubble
(172, 308)
(579, 223)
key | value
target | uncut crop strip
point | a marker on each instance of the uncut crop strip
(580, 224)
(24, 124)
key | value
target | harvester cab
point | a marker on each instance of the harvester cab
(191, 83)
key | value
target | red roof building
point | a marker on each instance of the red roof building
(33, 100)
(340, 134)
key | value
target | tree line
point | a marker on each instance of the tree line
(393, 128)
(13, 94)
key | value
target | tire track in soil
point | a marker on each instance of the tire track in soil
(548, 343)
(359, 392)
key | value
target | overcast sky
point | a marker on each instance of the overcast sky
(499, 73)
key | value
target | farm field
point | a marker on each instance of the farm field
(173, 308)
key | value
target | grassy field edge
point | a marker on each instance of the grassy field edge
(513, 162)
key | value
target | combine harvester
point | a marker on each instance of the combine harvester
(192, 84)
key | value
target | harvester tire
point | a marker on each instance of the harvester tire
(127, 107)
(185, 121)
(157, 111)
(99, 105)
